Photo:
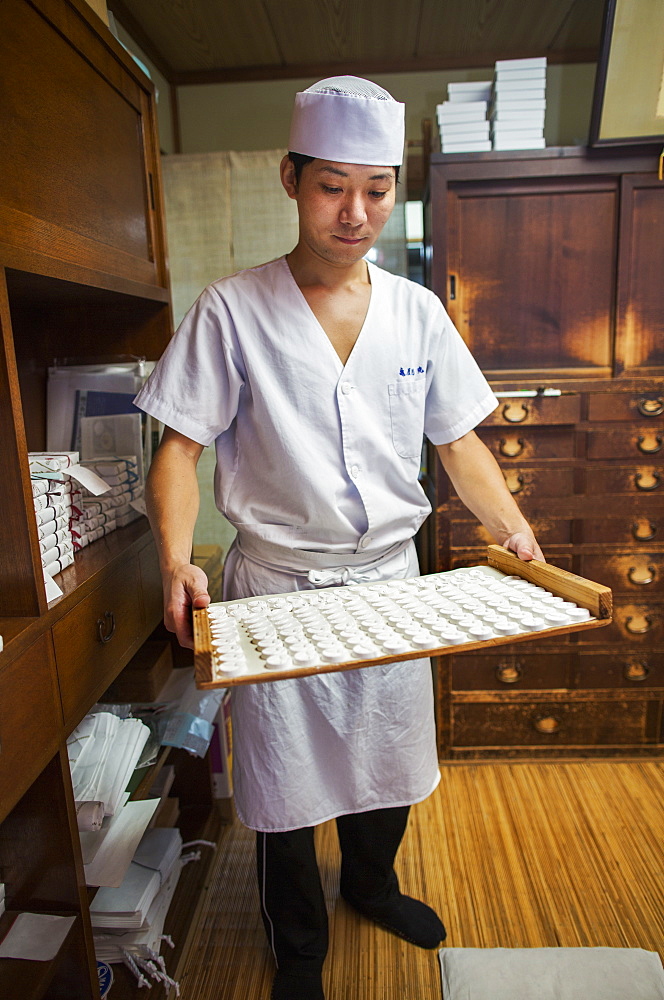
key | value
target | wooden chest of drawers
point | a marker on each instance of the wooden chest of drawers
(586, 468)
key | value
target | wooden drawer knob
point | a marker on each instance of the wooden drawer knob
(547, 724)
(636, 629)
(636, 671)
(644, 531)
(508, 674)
(650, 407)
(515, 414)
(511, 448)
(647, 482)
(514, 482)
(106, 627)
(641, 576)
(649, 445)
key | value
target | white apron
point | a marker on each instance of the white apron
(317, 468)
(307, 750)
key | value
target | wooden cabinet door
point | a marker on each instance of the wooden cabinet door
(531, 282)
(640, 313)
(77, 174)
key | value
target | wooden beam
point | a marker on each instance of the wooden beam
(175, 118)
(367, 67)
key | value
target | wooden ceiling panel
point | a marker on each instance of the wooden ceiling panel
(582, 29)
(495, 28)
(205, 34)
(200, 41)
(341, 30)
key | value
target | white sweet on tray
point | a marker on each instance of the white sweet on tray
(371, 621)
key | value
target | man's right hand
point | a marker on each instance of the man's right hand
(184, 589)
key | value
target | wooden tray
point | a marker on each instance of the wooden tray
(594, 597)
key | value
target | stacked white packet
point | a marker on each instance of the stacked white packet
(56, 498)
(101, 515)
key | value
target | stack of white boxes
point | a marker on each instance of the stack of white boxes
(519, 104)
(462, 119)
(103, 514)
(57, 499)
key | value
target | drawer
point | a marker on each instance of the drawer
(151, 588)
(630, 572)
(632, 479)
(537, 410)
(626, 406)
(30, 718)
(639, 443)
(510, 671)
(96, 639)
(554, 724)
(509, 445)
(636, 625)
(524, 483)
(636, 531)
(464, 534)
(616, 670)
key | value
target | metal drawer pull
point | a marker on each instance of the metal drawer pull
(639, 527)
(512, 486)
(521, 414)
(548, 724)
(638, 631)
(643, 582)
(653, 486)
(650, 407)
(649, 451)
(101, 624)
(636, 671)
(508, 674)
(515, 450)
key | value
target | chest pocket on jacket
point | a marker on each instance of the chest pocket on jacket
(407, 416)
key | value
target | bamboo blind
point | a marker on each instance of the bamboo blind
(511, 855)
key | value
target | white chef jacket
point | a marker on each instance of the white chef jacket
(317, 468)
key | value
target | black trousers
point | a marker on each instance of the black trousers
(290, 891)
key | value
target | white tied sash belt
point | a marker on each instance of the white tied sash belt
(322, 569)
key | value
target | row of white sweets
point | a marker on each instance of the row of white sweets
(504, 113)
(69, 514)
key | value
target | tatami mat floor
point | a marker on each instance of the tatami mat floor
(511, 855)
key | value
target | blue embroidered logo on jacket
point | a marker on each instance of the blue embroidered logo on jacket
(412, 371)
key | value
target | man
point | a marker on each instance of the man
(316, 375)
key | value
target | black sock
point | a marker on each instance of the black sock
(291, 986)
(408, 918)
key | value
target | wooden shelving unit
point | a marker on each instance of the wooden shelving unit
(83, 276)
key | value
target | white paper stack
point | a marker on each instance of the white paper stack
(127, 906)
(110, 941)
(56, 498)
(103, 751)
(108, 852)
(462, 119)
(519, 104)
(119, 506)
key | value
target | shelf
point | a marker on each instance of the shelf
(76, 582)
(62, 284)
(26, 979)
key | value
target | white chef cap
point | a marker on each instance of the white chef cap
(349, 120)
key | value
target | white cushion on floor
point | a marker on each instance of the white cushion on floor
(551, 974)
